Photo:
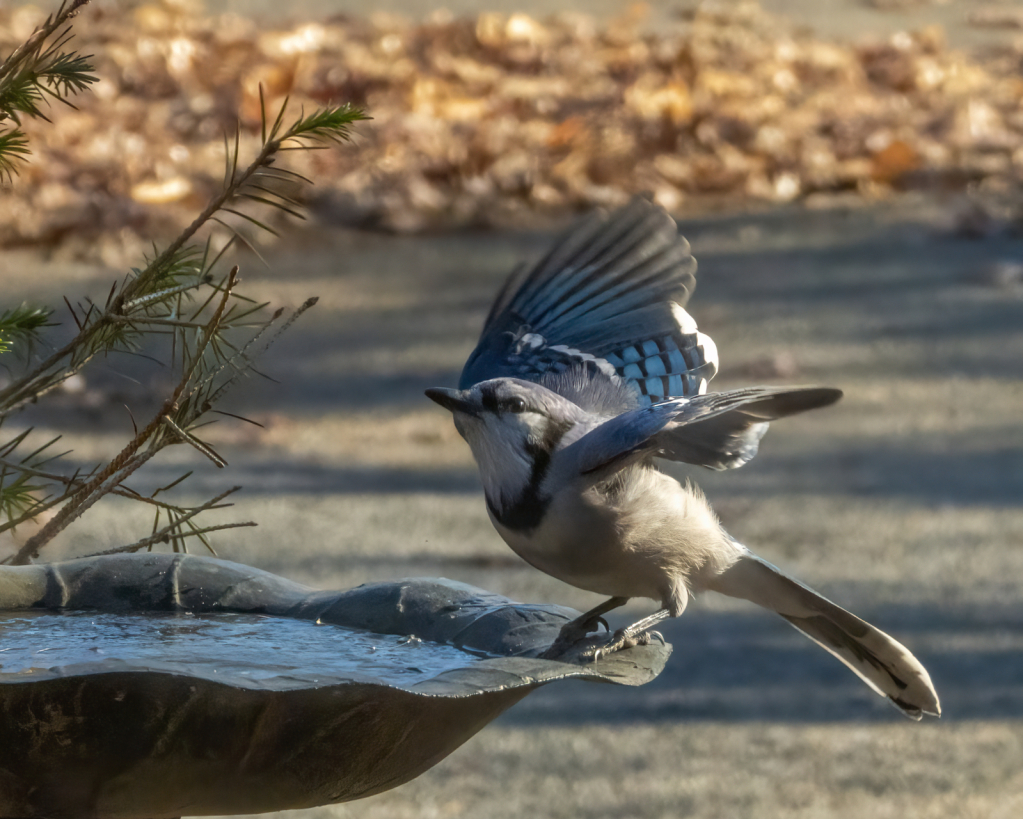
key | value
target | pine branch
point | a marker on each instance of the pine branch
(74, 484)
(13, 150)
(62, 74)
(119, 469)
(33, 74)
(333, 124)
(18, 497)
(167, 295)
(180, 268)
(166, 537)
(30, 50)
(21, 326)
(101, 330)
(172, 530)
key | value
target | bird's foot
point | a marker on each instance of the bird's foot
(639, 633)
(625, 638)
(572, 633)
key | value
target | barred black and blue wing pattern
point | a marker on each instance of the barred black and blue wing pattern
(607, 301)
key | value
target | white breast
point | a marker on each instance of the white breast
(638, 542)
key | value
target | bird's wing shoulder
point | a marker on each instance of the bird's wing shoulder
(620, 441)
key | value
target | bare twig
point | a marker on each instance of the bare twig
(195, 443)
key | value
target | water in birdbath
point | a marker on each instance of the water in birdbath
(225, 646)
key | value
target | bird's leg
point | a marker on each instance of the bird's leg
(585, 623)
(638, 634)
(575, 630)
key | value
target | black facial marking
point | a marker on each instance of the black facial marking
(496, 404)
(489, 398)
(525, 512)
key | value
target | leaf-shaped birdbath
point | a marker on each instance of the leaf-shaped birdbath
(168, 685)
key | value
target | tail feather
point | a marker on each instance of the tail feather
(880, 661)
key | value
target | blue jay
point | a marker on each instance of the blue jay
(589, 368)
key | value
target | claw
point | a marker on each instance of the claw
(579, 629)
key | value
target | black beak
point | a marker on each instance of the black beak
(451, 400)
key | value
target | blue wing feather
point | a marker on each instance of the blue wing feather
(607, 301)
(721, 430)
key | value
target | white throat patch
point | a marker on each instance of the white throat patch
(500, 445)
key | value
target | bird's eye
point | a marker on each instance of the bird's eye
(516, 404)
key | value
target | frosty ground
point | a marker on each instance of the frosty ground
(902, 503)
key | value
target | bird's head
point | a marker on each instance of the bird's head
(512, 427)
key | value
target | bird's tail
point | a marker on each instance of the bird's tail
(881, 662)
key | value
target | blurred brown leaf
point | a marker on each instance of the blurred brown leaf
(506, 118)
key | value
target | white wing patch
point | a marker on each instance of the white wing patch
(686, 323)
(531, 341)
(532, 357)
(710, 355)
(601, 364)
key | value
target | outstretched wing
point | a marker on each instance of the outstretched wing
(720, 431)
(606, 304)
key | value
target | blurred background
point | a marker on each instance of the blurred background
(850, 176)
